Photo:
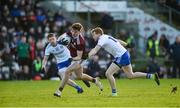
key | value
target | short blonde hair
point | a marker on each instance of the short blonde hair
(97, 30)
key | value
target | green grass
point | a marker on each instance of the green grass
(132, 93)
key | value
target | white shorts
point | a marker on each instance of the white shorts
(62, 67)
(61, 73)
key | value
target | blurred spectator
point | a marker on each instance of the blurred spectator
(152, 49)
(40, 16)
(52, 68)
(175, 55)
(153, 67)
(23, 49)
(40, 33)
(164, 52)
(93, 67)
(130, 39)
(31, 43)
(32, 46)
(164, 45)
(59, 19)
(40, 48)
(36, 71)
(32, 33)
(13, 44)
(6, 62)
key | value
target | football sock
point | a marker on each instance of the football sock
(113, 90)
(78, 87)
(61, 89)
(150, 76)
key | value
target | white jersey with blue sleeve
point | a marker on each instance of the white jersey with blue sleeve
(60, 52)
(111, 45)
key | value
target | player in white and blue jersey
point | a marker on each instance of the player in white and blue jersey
(63, 58)
(121, 58)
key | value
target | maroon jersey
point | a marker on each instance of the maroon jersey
(77, 44)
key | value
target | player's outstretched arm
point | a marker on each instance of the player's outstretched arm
(122, 43)
(94, 51)
(44, 63)
(126, 44)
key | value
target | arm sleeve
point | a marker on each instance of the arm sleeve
(47, 52)
(101, 42)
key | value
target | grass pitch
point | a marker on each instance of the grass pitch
(131, 93)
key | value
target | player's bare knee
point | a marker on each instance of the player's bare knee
(130, 76)
(67, 73)
(78, 77)
(78, 66)
(69, 70)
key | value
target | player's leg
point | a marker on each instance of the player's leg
(129, 72)
(65, 79)
(86, 83)
(62, 85)
(77, 66)
(71, 83)
(80, 75)
(113, 68)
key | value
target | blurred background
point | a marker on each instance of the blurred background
(153, 26)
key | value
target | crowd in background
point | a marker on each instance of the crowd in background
(168, 52)
(25, 25)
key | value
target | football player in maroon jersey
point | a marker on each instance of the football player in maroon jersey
(77, 50)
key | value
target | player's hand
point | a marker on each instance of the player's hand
(44, 70)
(91, 53)
(85, 56)
(63, 42)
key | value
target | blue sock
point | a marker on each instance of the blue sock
(78, 87)
(113, 90)
(148, 76)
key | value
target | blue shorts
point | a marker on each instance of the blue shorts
(64, 64)
(124, 60)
